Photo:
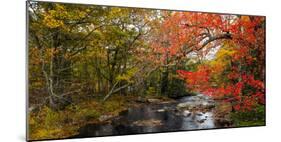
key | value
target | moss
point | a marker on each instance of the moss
(251, 123)
(49, 124)
(255, 117)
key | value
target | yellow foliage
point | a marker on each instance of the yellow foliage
(51, 22)
(223, 56)
(224, 53)
(55, 18)
(128, 75)
(222, 60)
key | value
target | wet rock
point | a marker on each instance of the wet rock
(150, 122)
(161, 110)
(167, 102)
(192, 105)
(186, 105)
(164, 109)
(199, 114)
(196, 102)
(201, 120)
(203, 96)
(105, 117)
(153, 100)
(141, 100)
(186, 113)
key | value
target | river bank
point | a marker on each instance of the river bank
(46, 123)
(121, 115)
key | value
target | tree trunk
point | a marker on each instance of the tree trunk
(113, 90)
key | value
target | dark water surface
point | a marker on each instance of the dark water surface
(154, 118)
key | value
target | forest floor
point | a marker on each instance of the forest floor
(49, 124)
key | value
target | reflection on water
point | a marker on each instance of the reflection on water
(171, 120)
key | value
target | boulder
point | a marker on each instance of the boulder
(199, 113)
(161, 110)
(196, 104)
(105, 117)
(201, 120)
(149, 122)
(186, 113)
(141, 100)
(186, 105)
(153, 100)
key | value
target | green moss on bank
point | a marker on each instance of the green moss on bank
(255, 117)
(50, 124)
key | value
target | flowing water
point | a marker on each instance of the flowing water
(157, 118)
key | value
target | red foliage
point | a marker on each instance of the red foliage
(188, 29)
(199, 81)
(196, 80)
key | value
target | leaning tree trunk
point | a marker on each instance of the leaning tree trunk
(114, 90)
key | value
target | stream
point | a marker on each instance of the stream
(187, 113)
